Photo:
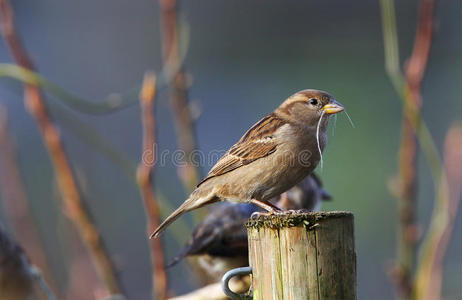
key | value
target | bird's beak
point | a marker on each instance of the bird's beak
(333, 107)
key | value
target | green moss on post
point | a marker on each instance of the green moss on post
(303, 256)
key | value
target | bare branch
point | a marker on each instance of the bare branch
(145, 178)
(429, 272)
(188, 172)
(412, 127)
(52, 140)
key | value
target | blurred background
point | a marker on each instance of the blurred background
(243, 60)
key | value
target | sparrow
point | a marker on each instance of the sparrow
(271, 157)
(16, 280)
(219, 242)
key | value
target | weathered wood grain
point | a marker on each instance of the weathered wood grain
(303, 256)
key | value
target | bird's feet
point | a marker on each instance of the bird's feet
(268, 206)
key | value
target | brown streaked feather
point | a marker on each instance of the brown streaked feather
(256, 143)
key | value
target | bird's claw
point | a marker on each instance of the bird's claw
(278, 212)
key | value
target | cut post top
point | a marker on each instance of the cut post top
(293, 219)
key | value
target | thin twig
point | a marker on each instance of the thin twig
(408, 149)
(429, 271)
(98, 142)
(417, 63)
(390, 42)
(101, 144)
(16, 202)
(188, 171)
(112, 103)
(52, 140)
(408, 87)
(184, 124)
(145, 179)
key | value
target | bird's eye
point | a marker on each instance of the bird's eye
(314, 101)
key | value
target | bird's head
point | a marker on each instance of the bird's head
(308, 106)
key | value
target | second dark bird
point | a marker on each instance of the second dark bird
(219, 242)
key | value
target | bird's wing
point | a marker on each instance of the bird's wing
(256, 143)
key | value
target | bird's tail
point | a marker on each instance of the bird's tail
(178, 258)
(191, 203)
(185, 207)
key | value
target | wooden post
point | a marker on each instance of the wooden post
(303, 256)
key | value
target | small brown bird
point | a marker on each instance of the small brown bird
(274, 155)
(219, 242)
